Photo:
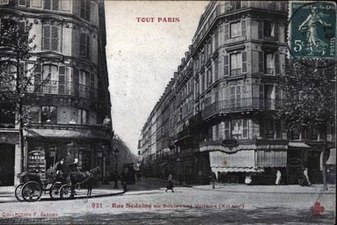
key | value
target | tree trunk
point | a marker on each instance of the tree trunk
(20, 112)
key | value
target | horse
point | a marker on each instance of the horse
(87, 177)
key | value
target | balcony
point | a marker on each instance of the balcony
(240, 105)
(82, 131)
(235, 40)
(66, 88)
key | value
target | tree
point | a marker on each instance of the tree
(309, 93)
(15, 78)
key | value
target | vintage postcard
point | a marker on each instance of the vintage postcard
(167, 112)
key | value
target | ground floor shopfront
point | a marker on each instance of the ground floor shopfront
(234, 162)
(43, 148)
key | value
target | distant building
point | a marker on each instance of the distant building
(216, 113)
(67, 109)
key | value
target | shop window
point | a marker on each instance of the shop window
(48, 114)
(50, 38)
(51, 4)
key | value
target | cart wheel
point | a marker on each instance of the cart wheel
(31, 191)
(55, 191)
(65, 191)
(18, 193)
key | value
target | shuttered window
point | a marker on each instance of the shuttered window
(244, 62)
(62, 72)
(37, 78)
(276, 31)
(261, 62)
(226, 31)
(50, 39)
(226, 65)
(84, 45)
(260, 30)
(277, 63)
(85, 9)
(243, 27)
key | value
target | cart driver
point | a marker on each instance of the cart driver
(59, 167)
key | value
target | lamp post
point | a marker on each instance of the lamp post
(116, 172)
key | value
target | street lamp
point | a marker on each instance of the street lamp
(116, 172)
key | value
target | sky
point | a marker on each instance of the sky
(143, 56)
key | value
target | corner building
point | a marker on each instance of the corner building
(69, 98)
(216, 114)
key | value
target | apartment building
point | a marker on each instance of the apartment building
(69, 97)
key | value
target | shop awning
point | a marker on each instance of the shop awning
(298, 145)
(331, 160)
(332, 157)
(237, 169)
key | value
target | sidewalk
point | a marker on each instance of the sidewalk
(290, 189)
(285, 189)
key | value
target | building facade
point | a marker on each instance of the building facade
(217, 112)
(69, 98)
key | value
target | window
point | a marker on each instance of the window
(51, 4)
(48, 114)
(227, 130)
(269, 63)
(240, 129)
(50, 38)
(236, 62)
(82, 116)
(49, 79)
(65, 5)
(66, 85)
(84, 45)
(36, 3)
(85, 9)
(84, 81)
(3, 2)
(235, 29)
(267, 29)
(24, 3)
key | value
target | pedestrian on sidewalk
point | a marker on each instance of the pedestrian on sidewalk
(278, 177)
(305, 179)
(169, 185)
(213, 179)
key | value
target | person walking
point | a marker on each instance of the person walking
(278, 177)
(306, 180)
(213, 179)
(169, 185)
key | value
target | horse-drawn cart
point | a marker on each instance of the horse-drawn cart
(33, 185)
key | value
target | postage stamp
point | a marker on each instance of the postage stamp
(312, 30)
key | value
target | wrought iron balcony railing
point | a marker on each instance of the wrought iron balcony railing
(240, 105)
(66, 88)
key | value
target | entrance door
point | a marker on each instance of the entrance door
(7, 156)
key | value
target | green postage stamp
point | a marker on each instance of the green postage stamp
(312, 30)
